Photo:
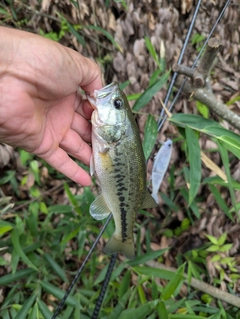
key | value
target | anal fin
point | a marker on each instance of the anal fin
(148, 201)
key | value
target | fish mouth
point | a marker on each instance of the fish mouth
(102, 95)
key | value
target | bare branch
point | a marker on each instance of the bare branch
(206, 97)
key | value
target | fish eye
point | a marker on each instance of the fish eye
(118, 103)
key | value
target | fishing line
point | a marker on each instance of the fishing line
(104, 286)
(80, 269)
(179, 62)
(161, 122)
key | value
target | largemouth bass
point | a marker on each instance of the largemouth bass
(119, 164)
(160, 166)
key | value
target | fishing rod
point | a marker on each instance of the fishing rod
(60, 306)
(175, 74)
(162, 121)
(104, 287)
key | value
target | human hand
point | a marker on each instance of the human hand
(41, 107)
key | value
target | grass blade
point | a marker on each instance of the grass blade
(162, 311)
(195, 163)
(16, 244)
(150, 135)
(22, 314)
(120, 306)
(224, 156)
(170, 288)
(147, 95)
(56, 268)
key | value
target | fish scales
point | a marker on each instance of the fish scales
(119, 163)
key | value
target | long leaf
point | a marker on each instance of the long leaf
(195, 163)
(120, 306)
(147, 95)
(224, 156)
(172, 285)
(155, 272)
(56, 268)
(146, 257)
(162, 311)
(19, 274)
(230, 139)
(150, 135)
(22, 314)
(44, 310)
(58, 293)
(16, 244)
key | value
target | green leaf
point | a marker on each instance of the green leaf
(16, 244)
(162, 311)
(150, 135)
(225, 160)
(213, 248)
(151, 50)
(75, 32)
(107, 35)
(202, 109)
(139, 313)
(56, 268)
(220, 201)
(147, 257)
(229, 139)
(44, 310)
(5, 227)
(155, 272)
(221, 240)
(172, 285)
(225, 247)
(19, 274)
(58, 293)
(115, 313)
(195, 163)
(212, 239)
(184, 316)
(148, 94)
(125, 284)
(22, 314)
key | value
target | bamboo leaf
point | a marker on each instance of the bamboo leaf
(147, 257)
(170, 288)
(58, 293)
(150, 135)
(162, 311)
(19, 274)
(195, 163)
(155, 272)
(16, 244)
(56, 268)
(147, 95)
(229, 139)
(22, 314)
(44, 310)
(120, 306)
(225, 160)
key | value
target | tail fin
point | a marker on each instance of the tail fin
(115, 245)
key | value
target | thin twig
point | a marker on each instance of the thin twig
(206, 97)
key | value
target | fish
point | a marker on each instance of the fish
(160, 166)
(119, 164)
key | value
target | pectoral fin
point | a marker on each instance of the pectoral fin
(148, 201)
(99, 209)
